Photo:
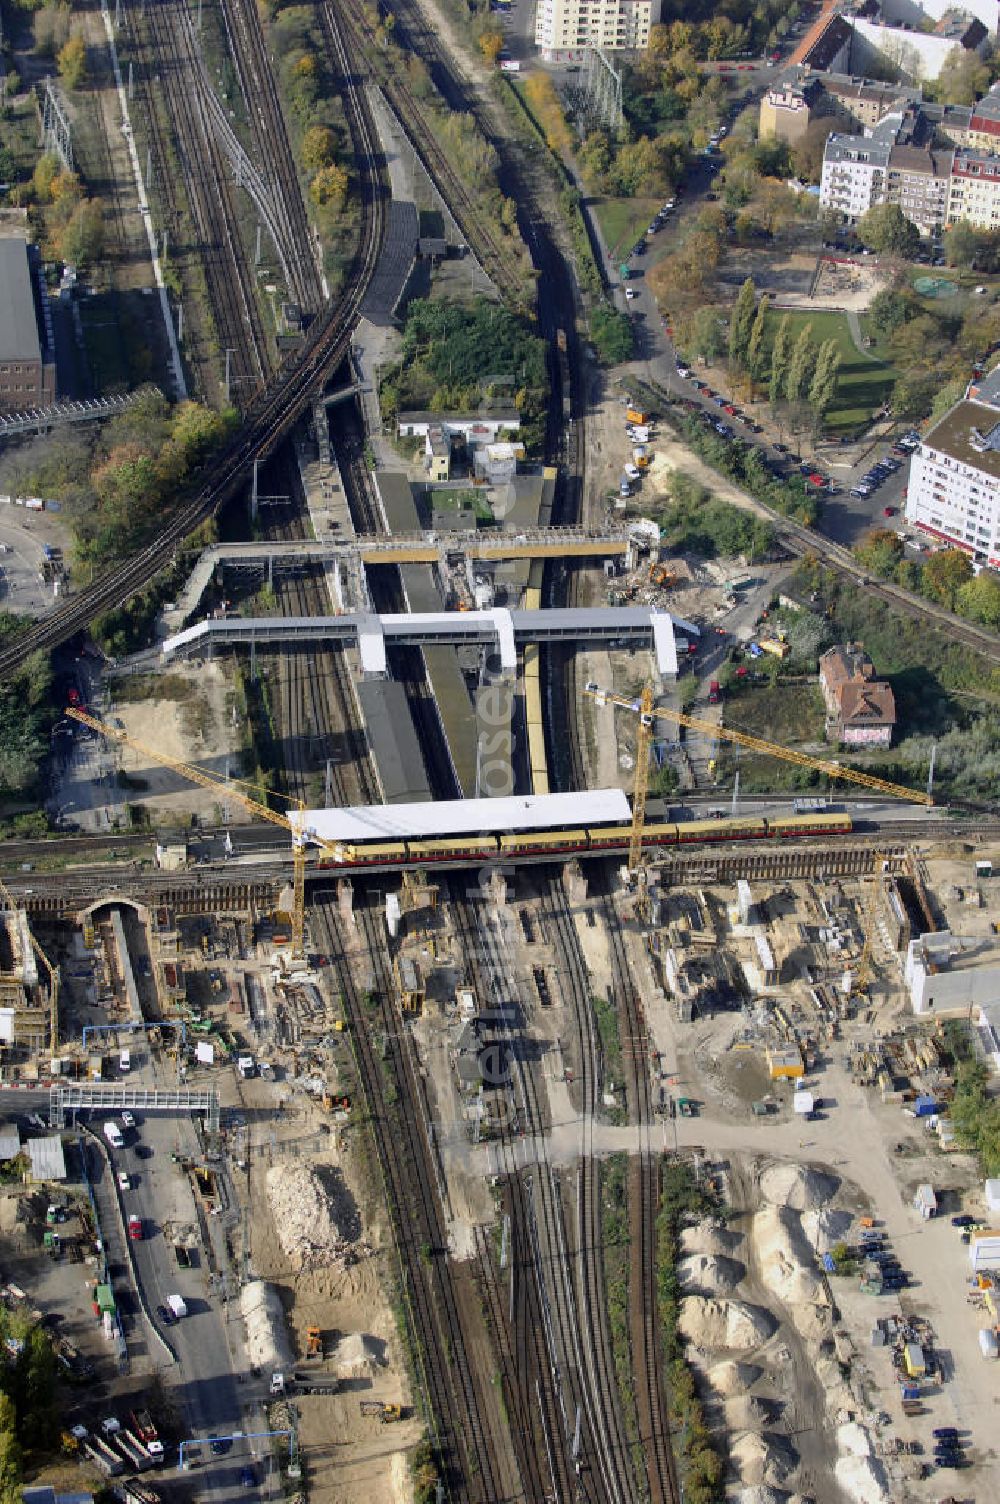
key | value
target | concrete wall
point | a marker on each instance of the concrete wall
(917, 56)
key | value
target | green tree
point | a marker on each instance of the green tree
(961, 244)
(880, 550)
(72, 62)
(800, 365)
(891, 308)
(319, 146)
(756, 357)
(963, 78)
(823, 385)
(945, 573)
(979, 600)
(781, 355)
(704, 335)
(82, 241)
(39, 1421)
(741, 322)
(886, 229)
(329, 187)
(10, 1453)
(612, 333)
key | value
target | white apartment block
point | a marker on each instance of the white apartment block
(855, 169)
(954, 488)
(974, 190)
(566, 28)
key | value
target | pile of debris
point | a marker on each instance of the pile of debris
(315, 1218)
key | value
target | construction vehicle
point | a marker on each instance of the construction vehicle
(314, 1342)
(660, 575)
(385, 1413)
(643, 708)
(250, 796)
(636, 415)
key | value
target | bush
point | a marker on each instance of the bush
(612, 334)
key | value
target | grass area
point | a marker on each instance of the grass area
(791, 715)
(623, 220)
(613, 1078)
(862, 385)
(449, 500)
(615, 1244)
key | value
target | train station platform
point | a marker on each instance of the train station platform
(500, 628)
(456, 817)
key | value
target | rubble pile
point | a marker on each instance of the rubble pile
(315, 1219)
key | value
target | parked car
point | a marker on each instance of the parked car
(124, 1183)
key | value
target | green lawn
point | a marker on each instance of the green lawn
(448, 500)
(623, 220)
(863, 384)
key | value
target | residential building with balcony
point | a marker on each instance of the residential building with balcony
(954, 487)
(565, 28)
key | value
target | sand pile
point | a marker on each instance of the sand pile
(797, 1186)
(760, 1493)
(724, 1323)
(760, 1459)
(825, 1227)
(860, 1475)
(710, 1273)
(709, 1237)
(268, 1347)
(359, 1355)
(733, 1378)
(786, 1260)
(745, 1412)
(315, 1219)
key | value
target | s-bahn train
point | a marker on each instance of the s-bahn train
(610, 838)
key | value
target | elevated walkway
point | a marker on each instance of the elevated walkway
(499, 628)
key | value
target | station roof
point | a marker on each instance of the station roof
(457, 817)
(393, 740)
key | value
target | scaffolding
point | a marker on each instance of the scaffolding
(604, 91)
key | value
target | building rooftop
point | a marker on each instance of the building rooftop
(829, 41)
(18, 324)
(393, 740)
(457, 817)
(867, 704)
(915, 159)
(970, 433)
(47, 1159)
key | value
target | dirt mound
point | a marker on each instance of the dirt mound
(825, 1227)
(315, 1215)
(762, 1459)
(745, 1412)
(786, 1260)
(759, 1493)
(724, 1323)
(732, 1378)
(860, 1475)
(709, 1237)
(797, 1186)
(709, 1273)
(359, 1355)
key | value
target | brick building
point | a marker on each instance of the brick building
(860, 709)
(27, 361)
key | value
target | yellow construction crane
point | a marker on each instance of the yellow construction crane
(230, 788)
(643, 708)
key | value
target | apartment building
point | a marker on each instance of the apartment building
(565, 28)
(954, 487)
(918, 181)
(974, 190)
(855, 168)
(27, 364)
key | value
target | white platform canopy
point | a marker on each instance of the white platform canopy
(460, 817)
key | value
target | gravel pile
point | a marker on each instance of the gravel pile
(731, 1324)
(797, 1187)
(709, 1274)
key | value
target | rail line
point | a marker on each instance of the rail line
(267, 125)
(462, 1432)
(172, 51)
(268, 419)
(643, 1201)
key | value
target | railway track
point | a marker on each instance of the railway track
(268, 419)
(644, 1202)
(423, 138)
(172, 53)
(273, 151)
(465, 1433)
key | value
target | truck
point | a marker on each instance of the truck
(113, 1134)
(145, 1432)
(103, 1457)
(124, 1061)
(136, 1457)
(135, 1228)
(177, 1305)
(636, 415)
(714, 692)
(244, 1064)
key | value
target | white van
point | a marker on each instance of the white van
(124, 1062)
